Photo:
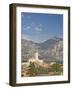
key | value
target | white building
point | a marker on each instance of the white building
(35, 59)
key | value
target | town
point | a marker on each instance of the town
(37, 67)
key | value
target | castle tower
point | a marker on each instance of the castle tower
(36, 56)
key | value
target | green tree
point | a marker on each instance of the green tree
(32, 69)
(56, 68)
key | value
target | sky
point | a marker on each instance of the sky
(39, 27)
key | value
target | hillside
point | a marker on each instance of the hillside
(50, 50)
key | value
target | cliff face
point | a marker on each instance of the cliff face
(50, 50)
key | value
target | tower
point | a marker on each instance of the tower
(36, 56)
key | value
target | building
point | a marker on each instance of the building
(35, 59)
(25, 65)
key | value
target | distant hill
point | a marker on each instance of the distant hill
(49, 50)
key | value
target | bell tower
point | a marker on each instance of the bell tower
(36, 56)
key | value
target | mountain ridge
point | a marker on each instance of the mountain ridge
(45, 49)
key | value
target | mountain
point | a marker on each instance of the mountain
(50, 43)
(49, 50)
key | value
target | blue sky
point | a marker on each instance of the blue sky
(41, 27)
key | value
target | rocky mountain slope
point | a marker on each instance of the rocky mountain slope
(50, 50)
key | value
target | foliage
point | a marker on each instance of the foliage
(42, 70)
(32, 69)
(35, 70)
(56, 68)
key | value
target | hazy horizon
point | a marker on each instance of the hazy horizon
(42, 41)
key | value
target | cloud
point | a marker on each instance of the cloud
(24, 36)
(40, 25)
(33, 26)
(38, 29)
(27, 28)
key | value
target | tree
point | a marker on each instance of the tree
(55, 68)
(32, 69)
